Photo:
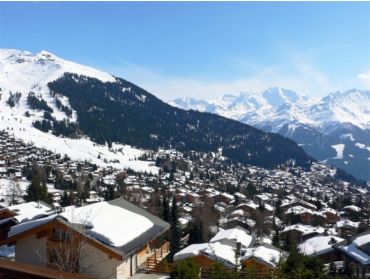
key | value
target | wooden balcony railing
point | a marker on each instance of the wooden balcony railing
(153, 262)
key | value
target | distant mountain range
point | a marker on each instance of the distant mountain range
(334, 129)
(88, 114)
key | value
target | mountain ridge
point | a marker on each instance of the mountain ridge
(316, 124)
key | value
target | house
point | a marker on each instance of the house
(31, 210)
(322, 247)
(300, 232)
(331, 215)
(113, 239)
(347, 228)
(248, 207)
(298, 202)
(263, 258)
(356, 255)
(221, 248)
(207, 254)
(305, 216)
(233, 236)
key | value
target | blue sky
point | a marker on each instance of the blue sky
(203, 49)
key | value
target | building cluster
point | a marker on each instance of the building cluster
(248, 215)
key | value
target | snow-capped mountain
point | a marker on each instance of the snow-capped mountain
(334, 129)
(21, 73)
(91, 115)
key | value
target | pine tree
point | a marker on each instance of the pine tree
(65, 199)
(175, 230)
(37, 190)
(166, 210)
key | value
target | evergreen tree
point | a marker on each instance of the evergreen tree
(185, 269)
(65, 199)
(166, 210)
(175, 230)
(37, 190)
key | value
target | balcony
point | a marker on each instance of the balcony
(153, 260)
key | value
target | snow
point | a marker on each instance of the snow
(362, 146)
(339, 148)
(347, 223)
(352, 208)
(234, 234)
(318, 245)
(264, 253)
(30, 210)
(104, 217)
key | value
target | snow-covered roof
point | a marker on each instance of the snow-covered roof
(353, 251)
(347, 223)
(17, 229)
(236, 234)
(319, 245)
(249, 204)
(117, 223)
(362, 240)
(190, 251)
(353, 208)
(30, 210)
(265, 253)
(304, 229)
(113, 225)
(297, 210)
(221, 253)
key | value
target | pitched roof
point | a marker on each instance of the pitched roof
(265, 253)
(118, 225)
(236, 234)
(353, 249)
(319, 245)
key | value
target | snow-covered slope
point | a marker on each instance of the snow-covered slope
(327, 128)
(21, 73)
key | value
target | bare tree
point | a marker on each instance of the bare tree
(14, 191)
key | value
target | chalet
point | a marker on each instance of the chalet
(300, 232)
(263, 258)
(30, 210)
(248, 207)
(356, 255)
(322, 247)
(331, 215)
(226, 198)
(233, 236)
(207, 254)
(113, 239)
(298, 202)
(305, 216)
(347, 228)
(221, 248)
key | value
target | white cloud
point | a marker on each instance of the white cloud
(364, 77)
